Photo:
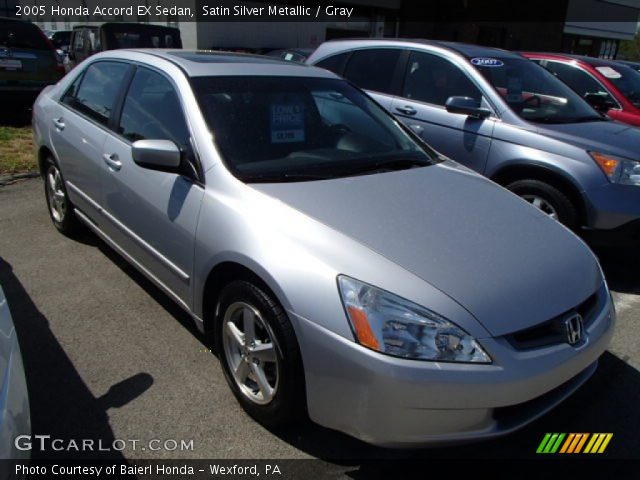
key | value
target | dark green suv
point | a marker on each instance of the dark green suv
(28, 63)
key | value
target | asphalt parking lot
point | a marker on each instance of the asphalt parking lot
(107, 355)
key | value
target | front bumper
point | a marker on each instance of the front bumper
(614, 208)
(395, 402)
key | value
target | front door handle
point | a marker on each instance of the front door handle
(407, 110)
(111, 159)
(59, 123)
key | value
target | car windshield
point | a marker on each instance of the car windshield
(626, 79)
(278, 129)
(534, 93)
(19, 34)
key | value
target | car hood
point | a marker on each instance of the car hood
(611, 137)
(501, 259)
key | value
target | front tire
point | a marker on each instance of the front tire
(58, 203)
(259, 353)
(548, 199)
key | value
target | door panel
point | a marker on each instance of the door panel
(429, 81)
(153, 216)
(78, 148)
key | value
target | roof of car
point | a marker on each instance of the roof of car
(196, 63)
(465, 49)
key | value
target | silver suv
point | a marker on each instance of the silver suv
(343, 267)
(509, 119)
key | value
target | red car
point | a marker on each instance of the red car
(609, 86)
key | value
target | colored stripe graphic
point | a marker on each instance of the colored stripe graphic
(574, 443)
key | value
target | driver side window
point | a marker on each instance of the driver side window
(433, 79)
(152, 110)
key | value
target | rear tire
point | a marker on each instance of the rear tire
(281, 399)
(547, 199)
(58, 203)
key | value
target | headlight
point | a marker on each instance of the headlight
(617, 169)
(389, 324)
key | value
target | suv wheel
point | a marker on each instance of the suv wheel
(259, 354)
(547, 199)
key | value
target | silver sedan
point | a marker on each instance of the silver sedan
(345, 269)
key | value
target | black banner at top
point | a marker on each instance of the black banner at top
(314, 10)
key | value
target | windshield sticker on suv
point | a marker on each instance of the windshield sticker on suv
(487, 62)
(287, 123)
(608, 72)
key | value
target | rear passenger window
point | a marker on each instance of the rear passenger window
(334, 63)
(433, 79)
(373, 69)
(98, 90)
(152, 110)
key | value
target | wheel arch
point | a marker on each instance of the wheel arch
(43, 153)
(224, 273)
(528, 171)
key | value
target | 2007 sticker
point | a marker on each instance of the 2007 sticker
(487, 62)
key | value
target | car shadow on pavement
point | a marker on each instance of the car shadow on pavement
(61, 405)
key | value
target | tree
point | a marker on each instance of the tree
(630, 49)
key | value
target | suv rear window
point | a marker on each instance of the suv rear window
(17, 34)
(373, 69)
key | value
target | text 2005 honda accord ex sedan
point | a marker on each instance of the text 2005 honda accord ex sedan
(344, 268)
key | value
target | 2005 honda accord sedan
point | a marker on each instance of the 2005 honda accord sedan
(345, 269)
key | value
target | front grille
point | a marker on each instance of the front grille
(552, 331)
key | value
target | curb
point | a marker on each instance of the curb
(9, 179)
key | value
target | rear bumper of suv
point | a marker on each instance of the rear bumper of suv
(396, 402)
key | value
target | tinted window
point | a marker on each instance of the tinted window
(373, 69)
(334, 63)
(18, 34)
(152, 110)
(70, 95)
(433, 79)
(295, 128)
(579, 80)
(99, 88)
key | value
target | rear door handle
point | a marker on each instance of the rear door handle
(407, 110)
(111, 159)
(59, 123)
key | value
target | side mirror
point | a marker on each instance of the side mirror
(601, 102)
(163, 155)
(466, 106)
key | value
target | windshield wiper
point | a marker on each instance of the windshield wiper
(386, 165)
(282, 177)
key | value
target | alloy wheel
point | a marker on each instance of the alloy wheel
(250, 352)
(56, 194)
(542, 205)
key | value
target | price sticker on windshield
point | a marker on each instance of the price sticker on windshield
(287, 123)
